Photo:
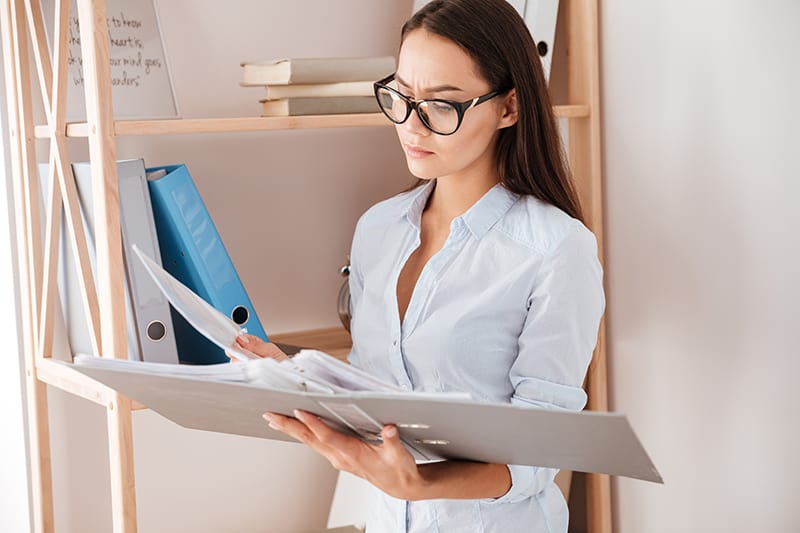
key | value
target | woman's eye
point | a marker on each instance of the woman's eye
(441, 107)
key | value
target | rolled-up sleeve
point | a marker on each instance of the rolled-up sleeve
(557, 341)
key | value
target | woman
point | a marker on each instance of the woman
(480, 279)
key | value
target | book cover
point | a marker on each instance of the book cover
(316, 90)
(316, 70)
(332, 105)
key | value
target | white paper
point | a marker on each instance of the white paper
(215, 326)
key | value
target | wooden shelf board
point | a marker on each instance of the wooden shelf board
(65, 378)
(333, 341)
(246, 124)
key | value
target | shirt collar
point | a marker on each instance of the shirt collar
(416, 204)
(479, 218)
(490, 208)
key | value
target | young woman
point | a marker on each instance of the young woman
(481, 279)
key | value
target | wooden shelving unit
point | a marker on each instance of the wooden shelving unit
(228, 125)
(23, 32)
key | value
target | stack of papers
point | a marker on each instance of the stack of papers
(308, 371)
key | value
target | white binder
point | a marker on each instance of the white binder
(541, 17)
(148, 320)
(431, 426)
(150, 323)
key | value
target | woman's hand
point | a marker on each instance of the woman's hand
(256, 346)
(388, 466)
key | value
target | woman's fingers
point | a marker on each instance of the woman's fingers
(391, 442)
(292, 427)
(321, 430)
(253, 344)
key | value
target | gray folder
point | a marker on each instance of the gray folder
(429, 426)
(150, 328)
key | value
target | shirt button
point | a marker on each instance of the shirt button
(394, 343)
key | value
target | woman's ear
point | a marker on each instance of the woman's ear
(510, 110)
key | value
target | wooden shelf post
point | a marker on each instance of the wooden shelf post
(28, 244)
(583, 87)
(110, 268)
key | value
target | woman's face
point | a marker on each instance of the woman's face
(431, 66)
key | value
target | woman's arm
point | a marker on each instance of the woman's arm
(464, 479)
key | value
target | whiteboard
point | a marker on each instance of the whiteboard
(141, 86)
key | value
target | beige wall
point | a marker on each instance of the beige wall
(14, 509)
(702, 185)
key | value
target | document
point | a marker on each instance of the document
(231, 397)
(215, 326)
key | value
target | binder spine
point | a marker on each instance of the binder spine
(193, 252)
(154, 327)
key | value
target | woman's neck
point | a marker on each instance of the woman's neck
(455, 194)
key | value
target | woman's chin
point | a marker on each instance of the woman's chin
(421, 171)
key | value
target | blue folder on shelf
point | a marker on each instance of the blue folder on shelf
(193, 252)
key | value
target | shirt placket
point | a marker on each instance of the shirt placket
(422, 292)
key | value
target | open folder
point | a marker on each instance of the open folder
(231, 398)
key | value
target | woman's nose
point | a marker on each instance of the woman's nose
(415, 125)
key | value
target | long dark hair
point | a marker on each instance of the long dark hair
(530, 157)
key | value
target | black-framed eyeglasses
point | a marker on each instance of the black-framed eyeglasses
(442, 117)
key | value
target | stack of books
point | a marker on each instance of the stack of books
(317, 86)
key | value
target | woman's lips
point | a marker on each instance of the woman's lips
(415, 152)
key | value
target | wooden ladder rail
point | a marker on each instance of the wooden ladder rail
(583, 87)
(28, 245)
(110, 268)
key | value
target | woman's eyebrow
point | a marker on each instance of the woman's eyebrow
(436, 89)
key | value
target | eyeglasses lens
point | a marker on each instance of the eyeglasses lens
(440, 117)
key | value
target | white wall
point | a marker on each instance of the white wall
(700, 136)
(14, 508)
(286, 204)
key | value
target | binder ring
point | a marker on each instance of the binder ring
(156, 331)
(240, 315)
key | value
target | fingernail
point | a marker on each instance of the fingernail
(273, 425)
(390, 431)
(298, 414)
(244, 339)
(268, 417)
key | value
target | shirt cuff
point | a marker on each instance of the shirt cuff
(526, 481)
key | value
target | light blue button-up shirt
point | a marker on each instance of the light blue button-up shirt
(507, 310)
